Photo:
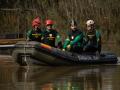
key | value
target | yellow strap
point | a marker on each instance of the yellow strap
(50, 37)
(36, 34)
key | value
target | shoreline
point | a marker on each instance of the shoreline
(10, 41)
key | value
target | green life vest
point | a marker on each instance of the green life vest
(34, 35)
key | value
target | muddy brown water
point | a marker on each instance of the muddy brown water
(84, 77)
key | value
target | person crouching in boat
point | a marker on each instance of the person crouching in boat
(35, 34)
(92, 38)
(74, 40)
(51, 36)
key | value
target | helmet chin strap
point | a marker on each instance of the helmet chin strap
(36, 28)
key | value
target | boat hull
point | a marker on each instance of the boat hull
(41, 54)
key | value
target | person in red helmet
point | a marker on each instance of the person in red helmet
(35, 34)
(51, 36)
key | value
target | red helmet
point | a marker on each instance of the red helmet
(49, 22)
(36, 22)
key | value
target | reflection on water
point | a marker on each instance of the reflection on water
(105, 77)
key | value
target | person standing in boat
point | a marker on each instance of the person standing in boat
(35, 34)
(74, 40)
(51, 36)
(92, 38)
